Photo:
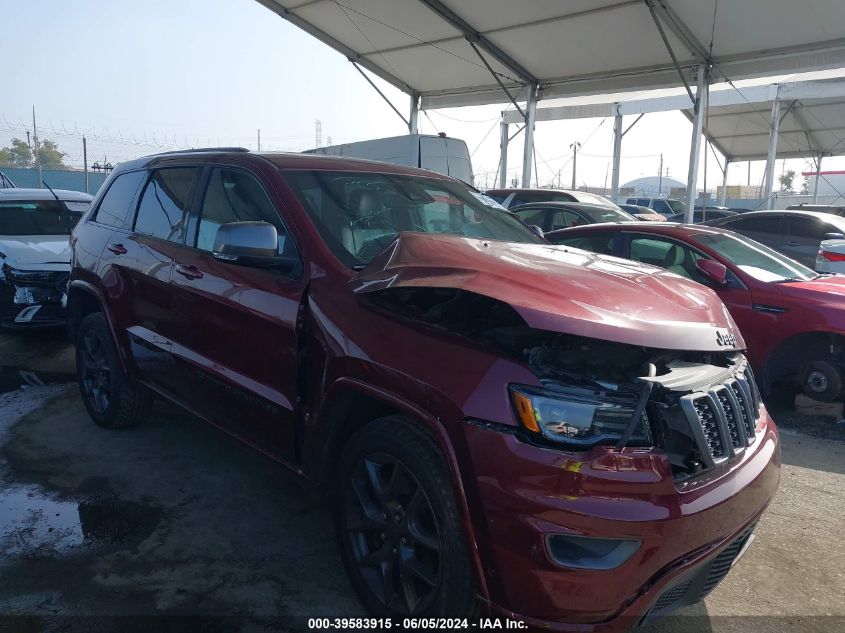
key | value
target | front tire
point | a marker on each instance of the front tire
(398, 526)
(112, 398)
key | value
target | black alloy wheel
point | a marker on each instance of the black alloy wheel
(113, 399)
(399, 527)
(94, 372)
(393, 534)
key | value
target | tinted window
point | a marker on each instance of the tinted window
(46, 217)
(806, 228)
(661, 206)
(114, 209)
(526, 197)
(164, 202)
(764, 224)
(497, 197)
(358, 214)
(233, 195)
(642, 202)
(601, 243)
(533, 217)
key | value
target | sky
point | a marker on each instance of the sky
(214, 72)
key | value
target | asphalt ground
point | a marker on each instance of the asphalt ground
(174, 526)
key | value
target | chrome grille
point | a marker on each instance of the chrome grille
(724, 417)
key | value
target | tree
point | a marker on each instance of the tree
(18, 154)
(50, 156)
(786, 179)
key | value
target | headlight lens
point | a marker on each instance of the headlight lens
(579, 416)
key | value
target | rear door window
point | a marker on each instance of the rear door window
(661, 206)
(165, 201)
(116, 206)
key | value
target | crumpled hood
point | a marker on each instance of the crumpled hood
(562, 289)
(37, 252)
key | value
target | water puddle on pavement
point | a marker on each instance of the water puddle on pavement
(32, 521)
(13, 378)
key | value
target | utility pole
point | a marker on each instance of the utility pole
(574, 147)
(259, 139)
(660, 178)
(85, 161)
(329, 141)
(37, 157)
(318, 133)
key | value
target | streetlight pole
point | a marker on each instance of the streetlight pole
(574, 147)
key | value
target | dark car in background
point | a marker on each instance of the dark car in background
(792, 318)
(796, 234)
(818, 208)
(703, 216)
(501, 425)
(664, 206)
(35, 227)
(550, 216)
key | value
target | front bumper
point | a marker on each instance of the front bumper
(26, 305)
(528, 492)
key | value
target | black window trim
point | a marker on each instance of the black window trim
(186, 214)
(92, 216)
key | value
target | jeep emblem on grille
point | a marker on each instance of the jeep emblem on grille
(726, 338)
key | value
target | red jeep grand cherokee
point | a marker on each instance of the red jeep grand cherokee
(566, 438)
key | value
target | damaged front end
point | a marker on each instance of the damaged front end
(700, 407)
(32, 297)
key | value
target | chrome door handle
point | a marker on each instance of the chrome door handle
(117, 249)
(189, 272)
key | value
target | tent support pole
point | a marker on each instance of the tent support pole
(413, 119)
(699, 107)
(768, 203)
(818, 175)
(724, 195)
(528, 147)
(617, 155)
(503, 153)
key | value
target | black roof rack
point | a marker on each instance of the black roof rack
(204, 149)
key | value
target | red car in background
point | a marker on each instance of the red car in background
(791, 317)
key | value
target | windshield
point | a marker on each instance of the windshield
(47, 217)
(358, 214)
(755, 259)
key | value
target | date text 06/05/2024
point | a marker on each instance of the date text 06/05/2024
(416, 623)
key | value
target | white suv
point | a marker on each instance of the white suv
(35, 226)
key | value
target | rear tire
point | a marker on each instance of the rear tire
(822, 381)
(112, 398)
(398, 527)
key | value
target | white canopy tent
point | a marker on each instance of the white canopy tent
(790, 119)
(447, 53)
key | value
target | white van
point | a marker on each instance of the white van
(440, 153)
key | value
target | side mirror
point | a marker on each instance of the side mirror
(834, 236)
(536, 229)
(713, 270)
(250, 244)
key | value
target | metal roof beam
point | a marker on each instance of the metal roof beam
(812, 139)
(679, 29)
(472, 35)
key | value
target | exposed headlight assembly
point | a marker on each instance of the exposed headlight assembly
(584, 417)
